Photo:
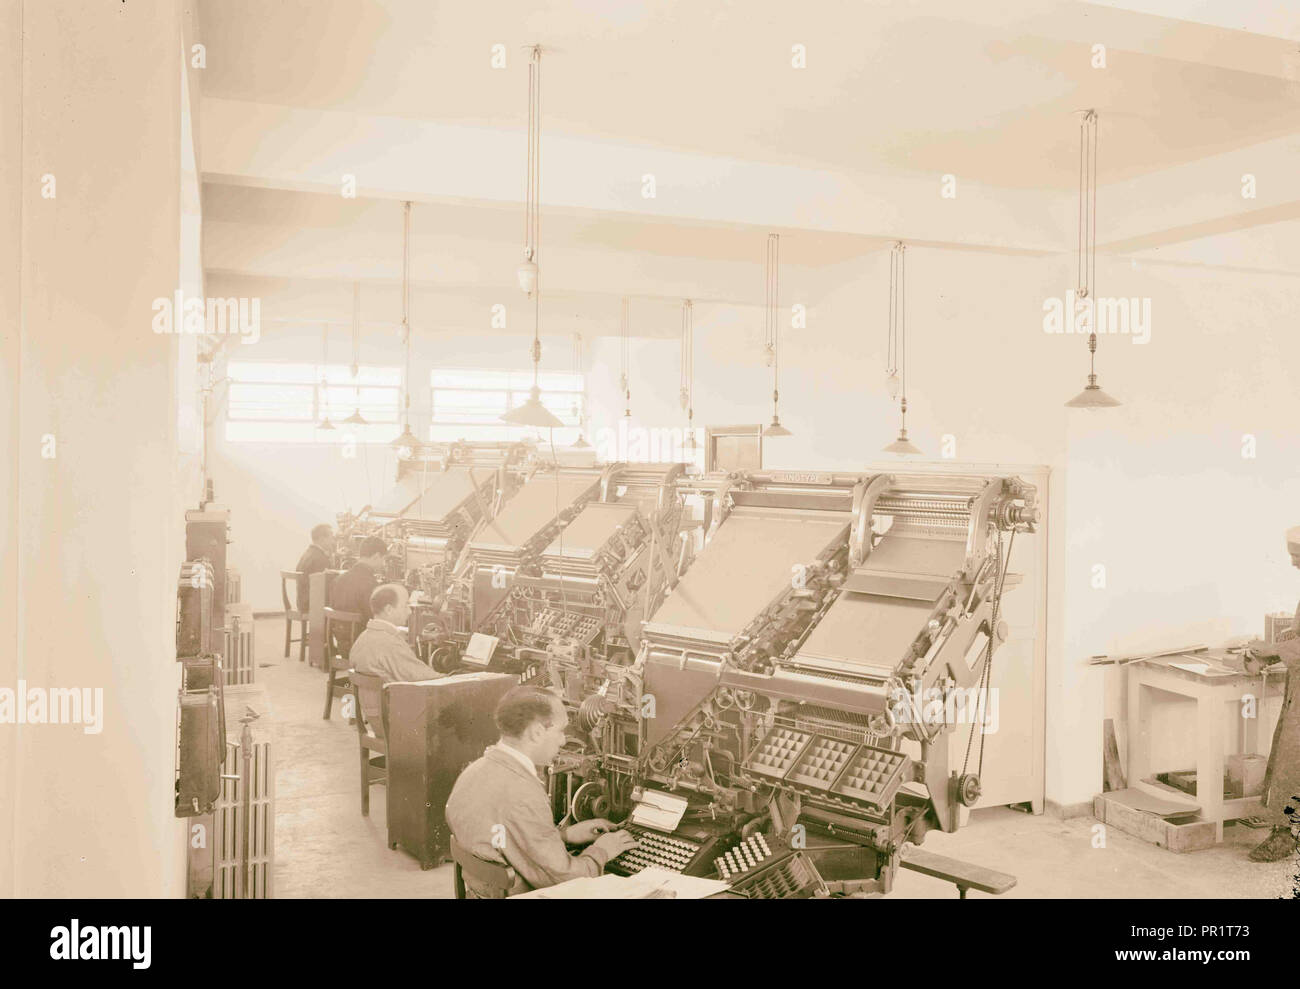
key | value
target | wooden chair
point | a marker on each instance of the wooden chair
(499, 878)
(292, 613)
(341, 630)
(368, 692)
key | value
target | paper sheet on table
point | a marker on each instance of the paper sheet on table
(649, 883)
(659, 810)
(1206, 669)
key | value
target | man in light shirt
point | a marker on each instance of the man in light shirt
(499, 809)
(382, 649)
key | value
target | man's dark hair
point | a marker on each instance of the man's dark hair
(384, 596)
(319, 532)
(521, 706)
(372, 546)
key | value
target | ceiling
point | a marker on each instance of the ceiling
(841, 156)
(892, 86)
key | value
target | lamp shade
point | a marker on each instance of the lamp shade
(532, 413)
(408, 441)
(325, 424)
(776, 429)
(356, 419)
(902, 445)
(581, 444)
(1092, 397)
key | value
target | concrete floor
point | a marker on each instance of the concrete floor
(325, 848)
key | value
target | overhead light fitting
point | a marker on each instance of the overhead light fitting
(1092, 397)
(896, 351)
(772, 335)
(406, 444)
(532, 412)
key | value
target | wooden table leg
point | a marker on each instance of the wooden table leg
(1209, 757)
(1138, 753)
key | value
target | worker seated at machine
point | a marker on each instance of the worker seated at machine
(315, 558)
(382, 648)
(499, 809)
(352, 591)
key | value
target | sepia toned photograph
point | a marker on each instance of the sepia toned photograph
(650, 449)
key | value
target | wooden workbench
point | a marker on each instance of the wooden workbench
(1223, 682)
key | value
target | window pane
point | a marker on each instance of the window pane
(459, 378)
(271, 372)
(450, 433)
(376, 404)
(340, 374)
(559, 381)
(467, 400)
(261, 401)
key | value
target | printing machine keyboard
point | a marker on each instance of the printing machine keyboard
(768, 868)
(686, 850)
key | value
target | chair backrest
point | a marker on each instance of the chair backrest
(369, 692)
(341, 630)
(500, 879)
(290, 575)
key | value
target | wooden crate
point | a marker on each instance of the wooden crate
(1178, 834)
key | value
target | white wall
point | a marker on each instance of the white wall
(100, 536)
(11, 274)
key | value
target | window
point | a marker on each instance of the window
(274, 402)
(469, 404)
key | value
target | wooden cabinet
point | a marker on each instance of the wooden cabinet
(434, 729)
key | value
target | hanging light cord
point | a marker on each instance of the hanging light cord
(898, 313)
(324, 358)
(625, 380)
(1086, 268)
(773, 302)
(356, 342)
(406, 307)
(533, 211)
(891, 345)
(537, 323)
(902, 323)
(532, 180)
(688, 362)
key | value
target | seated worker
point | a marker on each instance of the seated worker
(315, 558)
(381, 649)
(499, 810)
(351, 591)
